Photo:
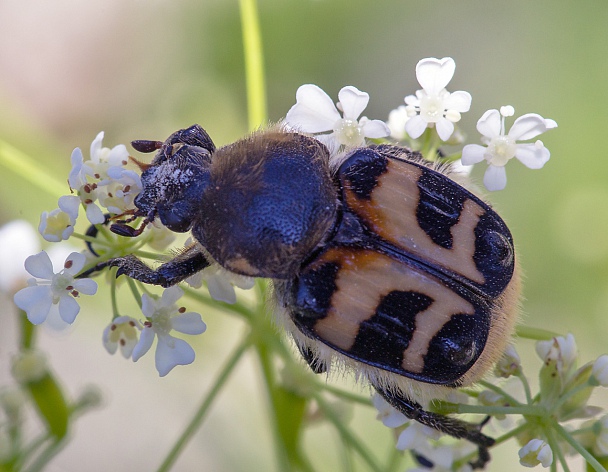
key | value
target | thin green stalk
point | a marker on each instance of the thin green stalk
(346, 434)
(134, 291)
(254, 64)
(513, 401)
(113, 296)
(535, 334)
(528, 410)
(264, 355)
(30, 170)
(592, 461)
(553, 444)
(199, 416)
(348, 396)
(524, 381)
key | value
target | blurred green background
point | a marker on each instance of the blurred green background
(142, 69)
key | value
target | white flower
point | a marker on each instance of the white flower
(120, 191)
(442, 457)
(434, 106)
(221, 282)
(600, 370)
(122, 332)
(18, 240)
(58, 289)
(315, 112)
(390, 416)
(509, 364)
(103, 178)
(416, 436)
(560, 349)
(58, 225)
(164, 316)
(397, 119)
(30, 366)
(534, 453)
(159, 237)
(501, 147)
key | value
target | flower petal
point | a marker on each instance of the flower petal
(495, 178)
(435, 74)
(489, 124)
(76, 262)
(415, 126)
(527, 127)
(85, 286)
(221, 289)
(472, 154)
(35, 301)
(314, 111)
(145, 342)
(68, 308)
(445, 128)
(96, 147)
(188, 323)
(375, 129)
(167, 356)
(70, 204)
(459, 101)
(532, 155)
(94, 214)
(170, 296)
(39, 265)
(353, 101)
(148, 305)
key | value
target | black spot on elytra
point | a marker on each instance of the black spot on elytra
(439, 207)
(494, 253)
(312, 294)
(362, 171)
(384, 337)
(456, 347)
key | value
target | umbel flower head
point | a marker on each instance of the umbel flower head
(501, 147)
(51, 290)
(434, 106)
(315, 112)
(164, 316)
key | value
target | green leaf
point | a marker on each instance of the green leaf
(290, 412)
(51, 404)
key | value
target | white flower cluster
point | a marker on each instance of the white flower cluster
(101, 182)
(432, 107)
(564, 392)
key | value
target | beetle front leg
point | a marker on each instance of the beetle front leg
(454, 427)
(170, 273)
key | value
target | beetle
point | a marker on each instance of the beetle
(379, 262)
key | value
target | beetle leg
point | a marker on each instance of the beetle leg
(170, 273)
(452, 426)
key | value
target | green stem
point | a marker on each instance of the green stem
(524, 381)
(30, 170)
(535, 334)
(199, 416)
(345, 395)
(134, 291)
(513, 401)
(554, 445)
(254, 64)
(346, 434)
(592, 461)
(528, 410)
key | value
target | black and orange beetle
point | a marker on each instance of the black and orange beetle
(382, 264)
